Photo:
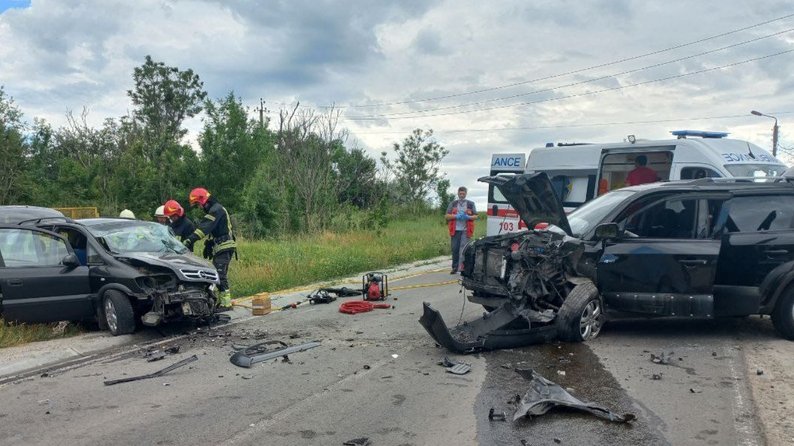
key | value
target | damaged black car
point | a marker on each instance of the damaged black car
(704, 248)
(114, 272)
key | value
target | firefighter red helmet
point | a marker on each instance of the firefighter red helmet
(199, 195)
(173, 208)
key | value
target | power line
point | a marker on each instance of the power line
(567, 73)
(565, 126)
(608, 76)
(721, 67)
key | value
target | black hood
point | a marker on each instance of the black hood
(533, 197)
(187, 266)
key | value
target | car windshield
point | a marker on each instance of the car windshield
(590, 214)
(755, 170)
(121, 237)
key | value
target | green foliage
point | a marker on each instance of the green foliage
(13, 150)
(416, 165)
(232, 146)
(444, 196)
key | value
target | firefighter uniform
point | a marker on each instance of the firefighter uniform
(182, 227)
(216, 228)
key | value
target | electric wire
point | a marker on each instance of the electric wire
(567, 73)
(587, 81)
(588, 93)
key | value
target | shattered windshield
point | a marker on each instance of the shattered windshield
(136, 236)
(755, 170)
(590, 214)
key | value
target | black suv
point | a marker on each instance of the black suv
(687, 249)
(110, 270)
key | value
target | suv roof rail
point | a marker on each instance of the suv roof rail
(767, 179)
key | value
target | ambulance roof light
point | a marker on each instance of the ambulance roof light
(682, 134)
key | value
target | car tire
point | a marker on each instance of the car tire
(119, 316)
(581, 316)
(783, 314)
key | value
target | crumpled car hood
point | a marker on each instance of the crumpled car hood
(187, 266)
(168, 259)
(533, 197)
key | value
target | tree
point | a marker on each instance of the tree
(232, 147)
(444, 197)
(356, 177)
(13, 149)
(306, 144)
(416, 165)
(164, 97)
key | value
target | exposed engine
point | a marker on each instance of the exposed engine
(529, 269)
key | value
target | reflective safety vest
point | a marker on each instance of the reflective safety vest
(217, 227)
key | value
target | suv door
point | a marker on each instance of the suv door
(36, 286)
(757, 236)
(664, 264)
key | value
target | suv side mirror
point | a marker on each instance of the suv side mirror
(71, 261)
(607, 231)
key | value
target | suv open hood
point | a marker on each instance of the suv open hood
(533, 197)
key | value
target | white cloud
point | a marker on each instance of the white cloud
(57, 56)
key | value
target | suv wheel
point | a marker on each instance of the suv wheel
(783, 315)
(582, 314)
(118, 313)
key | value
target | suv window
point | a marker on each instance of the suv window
(761, 213)
(674, 218)
(21, 247)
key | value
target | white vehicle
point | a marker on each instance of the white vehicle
(581, 172)
(501, 216)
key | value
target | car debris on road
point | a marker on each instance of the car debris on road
(258, 353)
(543, 395)
(160, 372)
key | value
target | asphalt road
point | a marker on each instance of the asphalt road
(375, 375)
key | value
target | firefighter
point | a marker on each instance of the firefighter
(178, 221)
(216, 227)
(159, 215)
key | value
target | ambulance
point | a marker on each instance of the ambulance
(581, 172)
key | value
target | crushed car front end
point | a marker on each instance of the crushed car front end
(527, 281)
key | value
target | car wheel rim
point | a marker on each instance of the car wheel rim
(590, 322)
(110, 315)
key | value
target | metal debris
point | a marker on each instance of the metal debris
(663, 358)
(759, 371)
(496, 416)
(154, 374)
(543, 395)
(656, 376)
(363, 441)
(455, 367)
(695, 390)
(258, 353)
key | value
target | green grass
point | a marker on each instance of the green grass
(272, 265)
(293, 261)
(18, 334)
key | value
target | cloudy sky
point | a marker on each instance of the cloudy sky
(487, 77)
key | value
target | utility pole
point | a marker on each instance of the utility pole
(775, 130)
(261, 112)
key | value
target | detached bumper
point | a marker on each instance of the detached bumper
(486, 333)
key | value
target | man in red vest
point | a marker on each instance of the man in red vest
(460, 216)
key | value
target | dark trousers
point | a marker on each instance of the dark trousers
(221, 262)
(459, 241)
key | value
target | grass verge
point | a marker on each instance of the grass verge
(17, 334)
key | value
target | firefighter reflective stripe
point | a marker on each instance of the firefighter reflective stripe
(211, 217)
(229, 243)
(199, 233)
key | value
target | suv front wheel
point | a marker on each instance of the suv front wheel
(783, 315)
(582, 314)
(118, 312)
